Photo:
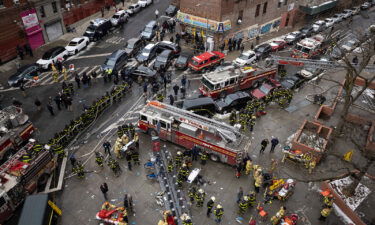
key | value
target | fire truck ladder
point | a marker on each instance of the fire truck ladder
(15, 157)
(227, 132)
(314, 63)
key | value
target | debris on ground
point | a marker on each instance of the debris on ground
(312, 140)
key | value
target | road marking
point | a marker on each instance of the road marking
(49, 78)
(93, 56)
(90, 71)
(83, 70)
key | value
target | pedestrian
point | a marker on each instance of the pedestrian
(195, 153)
(38, 104)
(129, 165)
(355, 60)
(28, 50)
(69, 102)
(183, 92)
(77, 79)
(239, 195)
(20, 52)
(59, 66)
(50, 107)
(94, 76)
(238, 169)
(210, 205)
(218, 212)
(242, 47)
(107, 147)
(175, 90)
(104, 189)
(157, 14)
(58, 101)
(171, 99)
(183, 80)
(102, 11)
(257, 38)
(171, 39)
(239, 43)
(264, 144)
(252, 46)
(274, 142)
(22, 88)
(73, 160)
(126, 202)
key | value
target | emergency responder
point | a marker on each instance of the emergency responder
(37, 147)
(180, 180)
(233, 118)
(26, 158)
(325, 213)
(199, 196)
(58, 149)
(210, 205)
(79, 170)
(135, 158)
(120, 132)
(258, 182)
(279, 215)
(307, 158)
(191, 193)
(178, 159)
(170, 166)
(99, 159)
(249, 166)
(204, 157)
(160, 97)
(183, 172)
(186, 220)
(114, 166)
(218, 212)
(312, 164)
(328, 200)
(252, 123)
(243, 205)
(136, 140)
(252, 198)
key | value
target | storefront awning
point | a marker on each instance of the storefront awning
(210, 25)
(313, 10)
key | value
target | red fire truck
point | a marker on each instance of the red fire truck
(19, 179)
(223, 142)
(219, 84)
(206, 60)
(15, 130)
(309, 47)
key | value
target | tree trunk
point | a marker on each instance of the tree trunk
(350, 190)
(348, 101)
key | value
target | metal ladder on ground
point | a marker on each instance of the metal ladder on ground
(314, 63)
(15, 157)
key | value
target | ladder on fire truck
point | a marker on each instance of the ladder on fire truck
(15, 157)
(313, 63)
(227, 132)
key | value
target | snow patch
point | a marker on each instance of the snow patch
(344, 218)
(361, 192)
(289, 140)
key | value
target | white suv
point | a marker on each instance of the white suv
(51, 56)
(246, 58)
(77, 44)
(144, 3)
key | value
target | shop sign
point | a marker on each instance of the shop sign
(29, 18)
(211, 25)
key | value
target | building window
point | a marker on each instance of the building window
(279, 4)
(265, 8)
(240, 14)
(257, 10)
(285, 2)
(1, 3)
(54, 7)
(42, 12)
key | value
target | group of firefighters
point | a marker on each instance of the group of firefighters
(256, 108)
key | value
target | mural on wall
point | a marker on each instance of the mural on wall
(270, 26)
(211, 25)
(253, 31)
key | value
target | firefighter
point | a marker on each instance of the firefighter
(258, 182)
(199, 196)
(249, 166)
(160, 97)
(210, 205)
(99, 159)
(252, 122)
(114, 165)
(243, 205)
(180, 179)
(178, 159)
(218, 212)
(326, 211)
(280, 214)
(183, 172)
(233, 117)
(328, 200)
(136, 140)
(307, 157)
(204, 157)
(191, 193)
(312, 165)
(26, 158)
(186, 220)
(58, 149)
(37, 147)
(135, 158)
(79, 170)
(120, 132)
(170, 166)
(252, 198)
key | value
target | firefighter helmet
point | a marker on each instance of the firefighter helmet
(219, 206)
(47, 147)
(32, 140)
(246, 198)
(201, 191)
(213, 198)
(179, 153)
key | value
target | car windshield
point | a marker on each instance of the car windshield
(91, 28)
(208, 84)
(228, 100)
(146, 51)
(116, 16)
(195, 63)
(182, 59)
(311, 69)
(244, 56)
(131, 7)
(264, 89)
(47, 55)
(73, 43)
(148, 29)
(305, 50)
(350, 44)
(109, 62)
(162, 59)
(261, 49)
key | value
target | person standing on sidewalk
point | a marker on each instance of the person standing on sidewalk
(157, 14)
(77, 79)
(22, 88)
(20, 52)
(58, 101)
(107, 147)
(50, 107)
(38, 104)
(264, 144)
(274, 142)
(104, 189)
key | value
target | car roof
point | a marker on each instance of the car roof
(238, 94)
(120, 12)
(54, 49)
(197, 101)
(249, 52)
(151, 23)
(116, 54)
(203, 56)
(167, 43)
(77, 39)
(133, 40)
(150, 46)
(165, 52)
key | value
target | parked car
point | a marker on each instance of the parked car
(147, 54)
(337, 18)
(347, 13)
(171, 11)
(329, 22)
(164, 45)
(144, 3)
(236, 101)
(119, 18)
(293, 37)
(149, 31)
(246, 58)
(355, 10)
(336, 53)
(266, 88)
(309, 72)
(24, 73)
(133, 9)
(277, 45)
(97, 29)
(203, 106)
(306, 31)
(182, 61)
(206, 60)
(51, 56)
(144, 72)
(318, 26)
(365, 6)
(163, 60)
(116, 61)
(292, 82)
(77, 44)
(349, 45)
(262, 51)
(133, 46)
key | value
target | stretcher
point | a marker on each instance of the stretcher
(193, 174)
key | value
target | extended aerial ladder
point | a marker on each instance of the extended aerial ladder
(322, 64)
(228, 133)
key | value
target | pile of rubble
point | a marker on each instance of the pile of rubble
(312, 140)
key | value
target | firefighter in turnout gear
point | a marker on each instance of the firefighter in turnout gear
(37, 147)
(252, 198)
(186, 220)
(210, 205)
(120, 132)
(328, 200)
(233, 117)
(26, 158)
(199, 196)
(135, 158)
(218, 212)
(243, 205)
(252, 123)
(326, 211)
(170, 166)
(178, 159)
(191, 193)
(184, 172)
(99, 159)
(204, 157)
(280, 214)
(114, 166)
(79, 170)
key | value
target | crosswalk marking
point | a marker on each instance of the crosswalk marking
(115, 40)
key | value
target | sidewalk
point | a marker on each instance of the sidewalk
(7, 69)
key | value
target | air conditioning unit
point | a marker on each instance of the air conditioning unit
(16, 2)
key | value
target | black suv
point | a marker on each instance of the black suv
(202, 106)
(167, 45)
(133, 46)
(262, 51)
(163, 60)
(236, 100)
(116, 61)
(97, 29)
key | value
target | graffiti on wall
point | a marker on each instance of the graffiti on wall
(200, 22)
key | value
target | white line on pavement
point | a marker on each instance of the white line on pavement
(93, 56)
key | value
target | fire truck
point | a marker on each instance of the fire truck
(222, 142)
(19, 179)
(206, 60)
(15, 130)
(220, 83)
(309, 47)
